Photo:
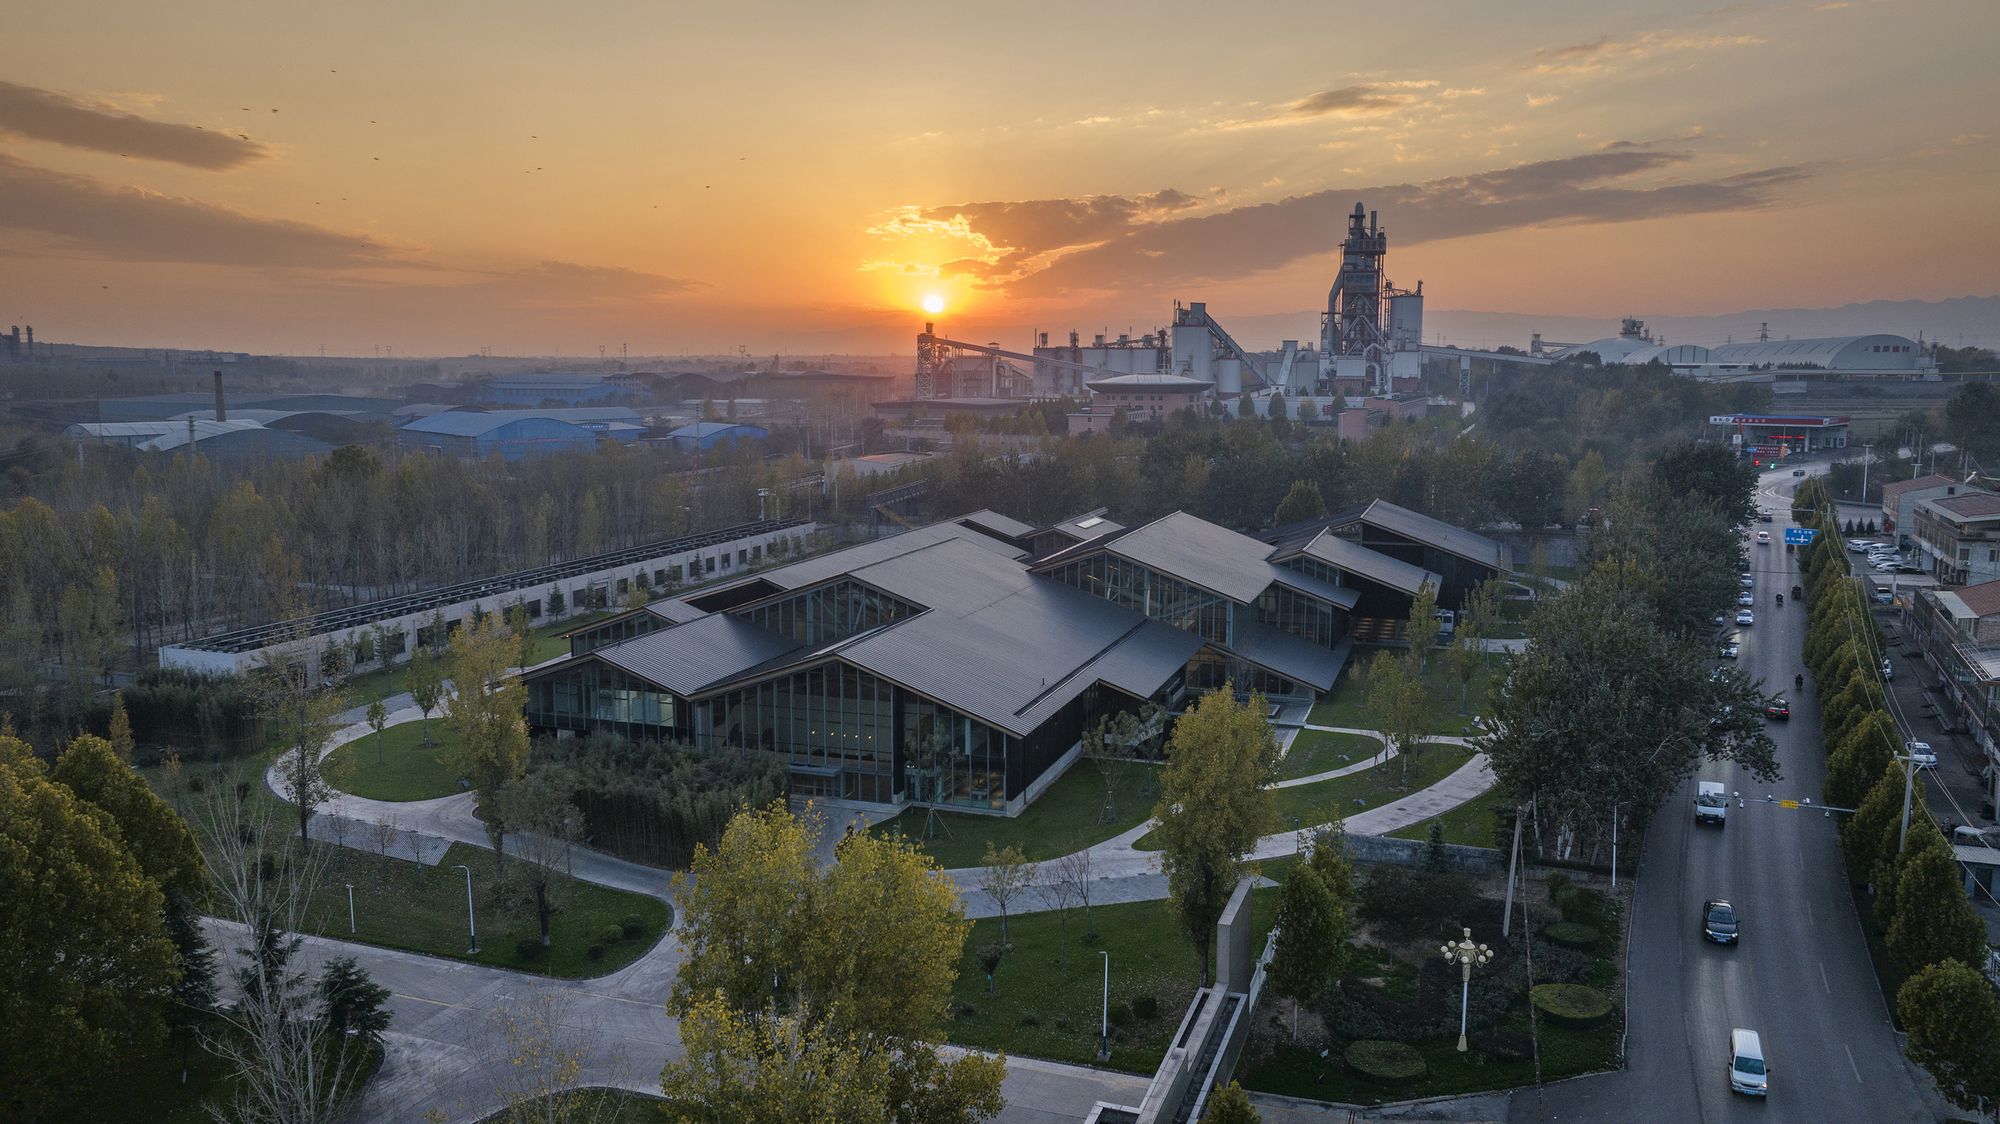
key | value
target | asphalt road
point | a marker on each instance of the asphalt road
(1800, 977)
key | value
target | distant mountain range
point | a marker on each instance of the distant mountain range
(1959, 322)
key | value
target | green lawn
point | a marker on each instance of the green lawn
(402, 768)
(397, 905)
(1566, 1052)
(1317, 751)
(1470, 824)
(1342, 706)
(1043, 1008)
(1066, 817)
(1307, 804)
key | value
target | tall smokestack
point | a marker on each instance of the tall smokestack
(221, 407)
(31, 341)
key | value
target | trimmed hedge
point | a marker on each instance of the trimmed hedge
(1574, 1004)
(1572, 934)
(1385, 1061)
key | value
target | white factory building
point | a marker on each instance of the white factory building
(1876, 354)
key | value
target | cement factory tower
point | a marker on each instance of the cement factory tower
(1353, 323)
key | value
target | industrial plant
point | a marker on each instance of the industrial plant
(1371, 344)
(1368, 359)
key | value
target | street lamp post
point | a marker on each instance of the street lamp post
(350, 909)
(1104, 1015)
(471, 927)
(1465, 954)
(1614, 845)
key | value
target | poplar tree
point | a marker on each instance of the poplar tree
(1213, 808)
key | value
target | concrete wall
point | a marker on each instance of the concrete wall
(1411, 852)
(723, 554)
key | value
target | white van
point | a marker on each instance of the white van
(1711, 803)
(1747, 1072)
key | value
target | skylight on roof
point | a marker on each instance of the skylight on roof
(1090, 522)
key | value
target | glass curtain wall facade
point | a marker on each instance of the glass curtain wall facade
(597, 697)
(1210, 669)
(1159, 596)
(972, 764)
(829, 613)
(833, 722)
(1300, 614)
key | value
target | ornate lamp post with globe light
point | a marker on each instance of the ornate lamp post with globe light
(1465, 954)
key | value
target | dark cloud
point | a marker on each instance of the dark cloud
(43, 115)
(128, 224)
(1350, 99)
(1596, 187)
(1018, 231)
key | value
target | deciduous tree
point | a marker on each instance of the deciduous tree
(83, 949)
(1933, 921)
(1953, 1020)
(782, 953)
(1004, 874)
(546, 827)
(1213, 808)
(1230, 1105)
(426, 680)
(485, 712)
(1397, 703)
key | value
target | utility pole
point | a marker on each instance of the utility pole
(1866, 451)
(1910, 762)
(1513, 859)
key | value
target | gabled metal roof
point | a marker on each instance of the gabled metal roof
(1198, 552)
(997, 523)
(1289, 656)
(691, 656)
(1326, 591)
(1436, 532)
(1353, 558)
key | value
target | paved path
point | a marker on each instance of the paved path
(443, 1049)
(441, 1045)
(1123, 873)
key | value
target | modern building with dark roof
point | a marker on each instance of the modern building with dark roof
(962, 635)
(1460, 558)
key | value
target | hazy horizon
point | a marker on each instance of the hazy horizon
(539, 182)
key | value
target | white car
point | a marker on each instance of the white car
(1921, 754)
(1746, 599)
(1763, 538)
(1861, 546)
(1732, 650)
(1747, 1072)
(1747, 582)
(1745, 616)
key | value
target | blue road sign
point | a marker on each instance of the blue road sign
(1800, 536)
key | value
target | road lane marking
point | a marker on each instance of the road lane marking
(422, 999)
(1822, 978)
(1809, 916)
(1850, 1063)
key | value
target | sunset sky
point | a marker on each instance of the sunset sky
(535, 178)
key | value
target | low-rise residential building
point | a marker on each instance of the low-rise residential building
(1958, 631)
(1958, 535)
(1899, 502)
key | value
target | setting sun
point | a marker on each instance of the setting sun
(933, 304)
